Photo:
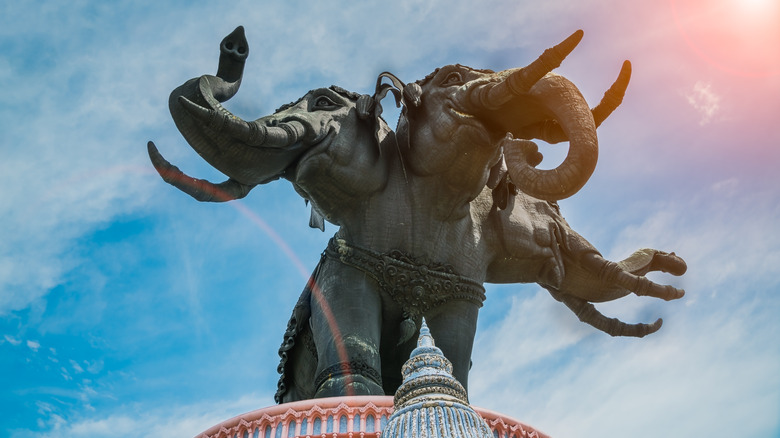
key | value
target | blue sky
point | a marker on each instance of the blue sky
(129, 309)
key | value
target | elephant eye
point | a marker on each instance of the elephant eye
(324, 103)
(453, 78)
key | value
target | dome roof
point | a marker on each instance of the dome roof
(431, 402)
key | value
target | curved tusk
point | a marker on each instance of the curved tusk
(200, 189)
(551, 131)
(613, 97)
(493, 95)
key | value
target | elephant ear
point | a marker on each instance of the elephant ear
(316, 219)
(370, 108)
(403, 96)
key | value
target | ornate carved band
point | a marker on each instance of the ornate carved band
(415, 286)
(348, 368)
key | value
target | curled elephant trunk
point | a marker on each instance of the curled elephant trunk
(254, 134)
(567, 106)
(551, 131)
(250, 153)
(530, 102)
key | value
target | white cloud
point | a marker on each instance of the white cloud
(686, 375)
(94, 367)
(33, 345)
(704, 100)
(11, 340)
(180, 420)
(76, 367)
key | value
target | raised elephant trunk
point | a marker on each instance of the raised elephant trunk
(250, 153)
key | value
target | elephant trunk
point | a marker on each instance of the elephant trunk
(514, 100)
(561, 98)
(251, 153)
(255, 134)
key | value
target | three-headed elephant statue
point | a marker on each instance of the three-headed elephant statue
(426, 214)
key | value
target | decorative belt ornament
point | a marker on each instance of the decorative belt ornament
(416, 287)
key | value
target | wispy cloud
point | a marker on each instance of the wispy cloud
(33, 345)
(186, 419)
(76, 367)
(11, 340)
(704, 100)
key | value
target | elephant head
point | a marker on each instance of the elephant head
(481, 123)
(328, 131)
(458, 110)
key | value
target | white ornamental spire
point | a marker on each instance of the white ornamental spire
(430, 402)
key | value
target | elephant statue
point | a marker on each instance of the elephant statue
(426, 214)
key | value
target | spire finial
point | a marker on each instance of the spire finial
(425, 339)
(431, 397)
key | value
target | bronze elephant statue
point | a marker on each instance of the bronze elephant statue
(426, 214)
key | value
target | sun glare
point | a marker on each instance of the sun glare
(738, 36)
(756, 5)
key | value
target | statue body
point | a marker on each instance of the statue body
(426, 214)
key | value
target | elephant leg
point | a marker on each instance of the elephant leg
(346, 326)
(297, 352)
(453, 325)
(300, 366)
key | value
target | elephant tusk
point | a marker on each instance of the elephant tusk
(552, 132)
(613, 97)
(493, 95)
(201, 190)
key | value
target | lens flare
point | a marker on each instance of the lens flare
(740, 37)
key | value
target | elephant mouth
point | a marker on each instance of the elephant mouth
(318, 146)
(461, 116)
(463, 119)
(514, 117)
